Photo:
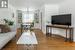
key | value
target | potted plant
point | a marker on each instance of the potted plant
(31, 27)
(8, 22)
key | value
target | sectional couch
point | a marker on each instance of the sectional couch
(5, 38)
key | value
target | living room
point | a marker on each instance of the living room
(38, 13)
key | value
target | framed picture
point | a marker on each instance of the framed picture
(3, 3)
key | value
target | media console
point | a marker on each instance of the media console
(61, 27)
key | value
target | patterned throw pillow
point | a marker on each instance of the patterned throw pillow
(4, 28)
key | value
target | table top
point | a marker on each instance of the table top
(27, 38)
(26, 24)
(60, 26)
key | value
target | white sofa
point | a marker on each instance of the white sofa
(5, 38)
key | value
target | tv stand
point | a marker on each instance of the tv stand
(61, 27)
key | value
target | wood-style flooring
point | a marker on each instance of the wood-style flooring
(44, 42)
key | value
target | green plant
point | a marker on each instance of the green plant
(32, 25)
(8, 22)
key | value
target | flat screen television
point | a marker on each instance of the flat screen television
(64, 19)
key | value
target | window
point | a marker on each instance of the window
(28, 16)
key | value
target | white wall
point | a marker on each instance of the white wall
(48, 11)
(66, 7)
(42, 10)
(7, 13)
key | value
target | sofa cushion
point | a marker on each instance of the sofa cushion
(5, 38)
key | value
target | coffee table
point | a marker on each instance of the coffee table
(28, 39)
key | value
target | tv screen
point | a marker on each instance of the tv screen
(64, 19)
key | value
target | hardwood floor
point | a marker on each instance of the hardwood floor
(44, 43)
